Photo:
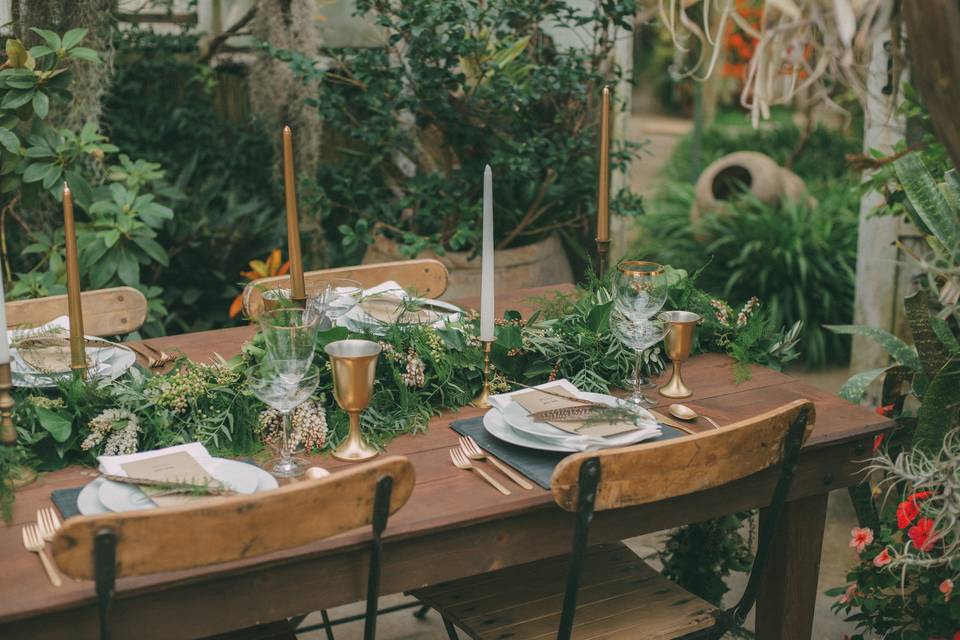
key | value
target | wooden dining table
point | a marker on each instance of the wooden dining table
(454, 524)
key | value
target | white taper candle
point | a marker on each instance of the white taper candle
(4, 346)
(486, 265)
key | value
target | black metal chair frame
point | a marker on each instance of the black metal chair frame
(105, 565)
(725, 620)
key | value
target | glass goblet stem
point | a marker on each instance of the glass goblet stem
(637, 378)
(285, 450)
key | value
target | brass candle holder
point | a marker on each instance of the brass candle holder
(354, 364)
(8, 435)
(678, 341)
(482, 401)
(603, 256)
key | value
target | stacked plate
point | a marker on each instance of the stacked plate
(104, 496)
(510, 422)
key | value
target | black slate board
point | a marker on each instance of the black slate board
(66, 501)
(533, 463)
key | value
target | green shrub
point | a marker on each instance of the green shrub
(161, 106)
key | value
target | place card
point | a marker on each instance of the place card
(535, 401)
(179, 466)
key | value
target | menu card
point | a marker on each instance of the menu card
(535, 401)
(172, 467)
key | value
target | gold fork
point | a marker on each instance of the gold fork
(163, 357)
(474, 452)
(47, 523)
(34, 543)
(152, 362)
(460, 461)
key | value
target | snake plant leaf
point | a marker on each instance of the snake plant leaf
(942, 329)
(940, 411)
(931, 351)
(854, 388)
(928, 201)
(897, 348)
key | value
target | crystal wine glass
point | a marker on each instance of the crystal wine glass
(640, 289)
(290, 337)
(268, 382)
(638, 336)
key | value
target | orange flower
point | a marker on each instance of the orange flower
(860, 538)
(260, 269)
(882, 559)
(946, 588)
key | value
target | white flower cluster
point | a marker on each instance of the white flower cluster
(308, 425)
(415, 375)
(118, 427)
(747, 311)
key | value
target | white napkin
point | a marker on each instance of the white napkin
(30, 376)
(648, 427)
(113, 465)
(357, 319)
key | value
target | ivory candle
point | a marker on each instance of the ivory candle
(4, 346)
(603, 186)
(486, 265)
(298, 291)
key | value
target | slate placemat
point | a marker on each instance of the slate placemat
(533, 463)
(66, 501)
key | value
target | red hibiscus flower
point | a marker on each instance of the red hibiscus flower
(882, 559)
(877, 441)
(922, 535)
(909, 509)
(860, 538)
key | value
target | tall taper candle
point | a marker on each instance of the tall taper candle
(78, 359)
(486, 265)
(603, 186)
(4, 347)
(297, 288)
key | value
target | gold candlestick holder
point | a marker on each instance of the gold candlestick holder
(20, 476)
(603, 256)
(678, 341)
(482, 401)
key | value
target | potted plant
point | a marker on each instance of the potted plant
(456, 86)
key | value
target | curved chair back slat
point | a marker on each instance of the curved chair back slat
(106, 312)
(425, 277)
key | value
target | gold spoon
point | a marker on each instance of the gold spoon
(684, 412)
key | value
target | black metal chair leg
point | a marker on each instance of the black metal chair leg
(422, 612)
(105, 574)
(326, 624)
(451, 630)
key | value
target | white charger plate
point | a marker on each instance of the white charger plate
(496, 426)
(519, 419)
(109, 365)
(239, 476)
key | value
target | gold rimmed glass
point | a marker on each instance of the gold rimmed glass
(640, 289)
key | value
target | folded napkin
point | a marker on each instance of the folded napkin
(113, 465)
(380, 306)
(17, 333)
(647, 426)
(60, 326)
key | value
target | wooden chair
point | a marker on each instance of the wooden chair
(106, 312)
(610, 592)
(426, 277)
(235, 528)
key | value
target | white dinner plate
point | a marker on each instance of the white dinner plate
(518, 418)
(106, 363)
(495, 425)
(239, 476)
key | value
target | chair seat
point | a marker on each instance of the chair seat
(620, 596)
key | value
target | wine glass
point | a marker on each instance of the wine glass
(640, 289)
(638, 336)
(268, 383)
(342, 295)
(290, 337)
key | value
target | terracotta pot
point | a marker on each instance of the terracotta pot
(534, 265)
(763, 177)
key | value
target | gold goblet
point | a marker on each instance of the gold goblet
(354, 364)
(678, 342)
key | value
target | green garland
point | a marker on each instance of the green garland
(422, 372)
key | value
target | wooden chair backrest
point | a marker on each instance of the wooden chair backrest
(234, 527)
(646, 473)
(426, 277)
(106, 312)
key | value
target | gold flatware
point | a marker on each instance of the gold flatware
(684, 412)
(47, 523)
(671, 422)
(152, 362)
(474, 452)
(33, 543)
(162, 357)
(460, 461)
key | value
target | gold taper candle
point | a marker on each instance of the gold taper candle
(78, 358)
(298, 291)
(603, 187)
